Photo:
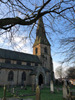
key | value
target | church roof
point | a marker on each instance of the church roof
(21, 67)
(15, 66)
(14, 55)
(41, 34)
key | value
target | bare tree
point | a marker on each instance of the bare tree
(68, 45)
(31, 11)
(60, 72)
(71, 73)
(22, 15)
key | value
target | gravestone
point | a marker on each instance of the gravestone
(25, 86)
(51, 86)
(57, 89)
(33, 87)
(4, 94)
(37, 93)
(16, 92)
(22, 87)
(8, 87)
(13, 90)
(66, 89)
(42, 86)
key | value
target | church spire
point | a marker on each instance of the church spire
(40, 34)
(40, 28)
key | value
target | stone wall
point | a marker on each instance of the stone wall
(17, 77)
(44, 57)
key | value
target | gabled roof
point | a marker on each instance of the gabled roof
(14, 55)
(34, 71)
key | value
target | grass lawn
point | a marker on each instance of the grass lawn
(45, 94)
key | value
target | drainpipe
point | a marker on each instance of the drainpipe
(17, 76)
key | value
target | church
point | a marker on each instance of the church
(18, 68)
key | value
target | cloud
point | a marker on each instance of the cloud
(22, 45)
(18, 43)
(1, 41)
(55, 65)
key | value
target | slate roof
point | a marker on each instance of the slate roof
(15, 66)
(14, 55)
(21, 67)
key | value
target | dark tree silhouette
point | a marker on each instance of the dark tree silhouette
(71, 73)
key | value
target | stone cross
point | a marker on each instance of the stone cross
(37, 93)
(51, 86)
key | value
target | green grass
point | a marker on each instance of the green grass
(45, 94)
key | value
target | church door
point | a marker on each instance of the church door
(40, 79)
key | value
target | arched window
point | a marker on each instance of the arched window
(23, 76)
(36, 50)
(45, 50)
(10, 76)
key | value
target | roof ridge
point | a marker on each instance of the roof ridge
(16, 51)
(14, 55)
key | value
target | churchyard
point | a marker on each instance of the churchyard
(21, 93)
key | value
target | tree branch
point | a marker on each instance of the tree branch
(43, 6)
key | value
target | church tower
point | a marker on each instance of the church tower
(41, 47)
